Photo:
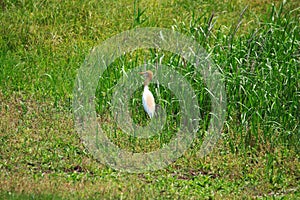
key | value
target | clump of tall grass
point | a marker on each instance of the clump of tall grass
(262, 80)
(261, 71)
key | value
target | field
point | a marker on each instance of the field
(255, 46)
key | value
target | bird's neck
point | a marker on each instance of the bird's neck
(146, 83)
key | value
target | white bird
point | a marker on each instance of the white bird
(148, 99)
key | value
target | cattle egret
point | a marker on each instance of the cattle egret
(148, 99)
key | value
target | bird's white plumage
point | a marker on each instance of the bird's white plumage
(148, 102)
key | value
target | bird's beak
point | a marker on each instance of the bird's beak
(143, 73)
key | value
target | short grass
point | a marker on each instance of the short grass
(254, 43)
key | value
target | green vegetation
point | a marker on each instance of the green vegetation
(256, 45)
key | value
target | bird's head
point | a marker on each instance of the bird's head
(148, 74)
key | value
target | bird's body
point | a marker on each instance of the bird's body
(148, 99)
(148, 102)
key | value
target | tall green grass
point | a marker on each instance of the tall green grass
(262, 70)
(261, 73)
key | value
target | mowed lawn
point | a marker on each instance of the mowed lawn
(254, 44)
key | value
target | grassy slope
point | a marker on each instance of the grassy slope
(42, 45)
